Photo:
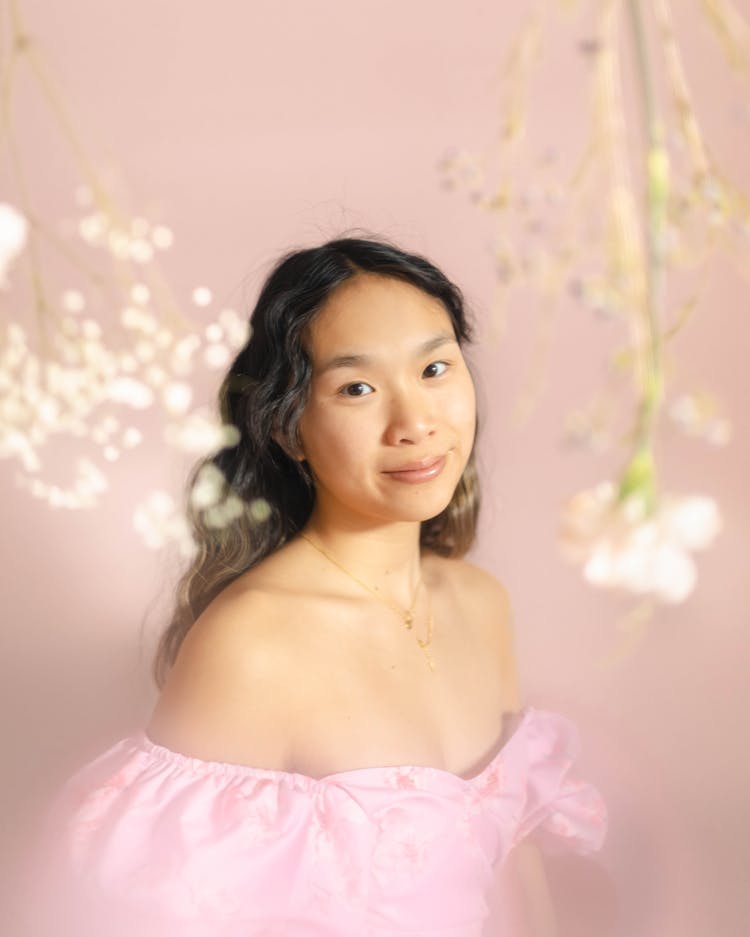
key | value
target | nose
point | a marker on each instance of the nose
(412, 417)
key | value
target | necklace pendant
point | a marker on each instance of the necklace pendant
(408, 619)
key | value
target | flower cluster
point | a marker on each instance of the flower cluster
(90, 385)
(619, 544)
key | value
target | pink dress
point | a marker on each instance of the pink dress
(147, 842)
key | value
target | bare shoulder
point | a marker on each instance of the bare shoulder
(221, 699)
(477, 587)
(484, 600)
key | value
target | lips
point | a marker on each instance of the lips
(425, 471)
(415, 466)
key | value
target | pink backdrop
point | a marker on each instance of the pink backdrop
(252, 127)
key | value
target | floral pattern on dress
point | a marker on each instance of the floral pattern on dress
(404, 778)
(221, 850)
(334, 820)
(493, 780)
(401, 848)
(253, 806)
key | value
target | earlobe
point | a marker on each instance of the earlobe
(298, 455)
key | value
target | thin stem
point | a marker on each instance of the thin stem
(655, 198)
(125, 278)
(41, 304)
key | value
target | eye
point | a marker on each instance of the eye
(356, 384)
(435, 364)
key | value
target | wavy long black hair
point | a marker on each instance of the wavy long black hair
(263, 395)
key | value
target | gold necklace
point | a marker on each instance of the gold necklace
(408, 615)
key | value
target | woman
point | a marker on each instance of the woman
(339, 746)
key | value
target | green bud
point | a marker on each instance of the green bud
(658, 175)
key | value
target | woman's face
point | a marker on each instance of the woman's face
(390, 387)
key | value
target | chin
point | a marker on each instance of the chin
(427, 510)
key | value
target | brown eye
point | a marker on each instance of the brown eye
(356, 384)
(435, 363)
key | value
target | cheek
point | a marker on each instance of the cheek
(331, 438)
(461, 408)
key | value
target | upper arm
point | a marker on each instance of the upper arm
(521, 895)
(223, 699)
(495, 611)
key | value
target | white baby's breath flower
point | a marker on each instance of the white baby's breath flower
(141, 251)
(237, 330)
(118, 243)
(93, 227)
(140, 293)
(15, 443)
(128, 363)
(199, 434)
(156, 376)
(131, 437)
(72, 301)
(221, 515)
(90, 478)
(177, 397)
(260, 509)
(14, 230)
(48, 411)
(216, 356)
(91, 329)
(186, 346)
(692, 522)
(138, 319)
(163, 338)
(145, 350)
(202, 296)
(697, 414)
(208, 488)
(159, 522)
(162, 237)
(134, 393)
(56, 497)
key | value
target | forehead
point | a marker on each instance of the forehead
(372, 309)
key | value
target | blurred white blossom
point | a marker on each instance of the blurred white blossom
(216, 356)
(74, 376)
(199, 433)
(13, 235)
(131, 437)
(201, 296)
(698, 415)
(162, 237)
(260, 509)
(237, 329)
(222, 514)
(160, 523)
(208, 487)
(88, 484)
(620, 546)
(72, 301)
(140, 293)
(134, 393)
(177, 397)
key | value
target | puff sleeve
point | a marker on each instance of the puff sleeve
(144, 841)
(560, 812)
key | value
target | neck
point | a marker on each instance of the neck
(383, 555)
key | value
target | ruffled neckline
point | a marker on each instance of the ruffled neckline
(180, 760)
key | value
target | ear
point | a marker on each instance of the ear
(298, 455)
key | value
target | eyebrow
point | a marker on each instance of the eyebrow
(352, 360)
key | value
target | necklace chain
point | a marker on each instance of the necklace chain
(407, 615)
